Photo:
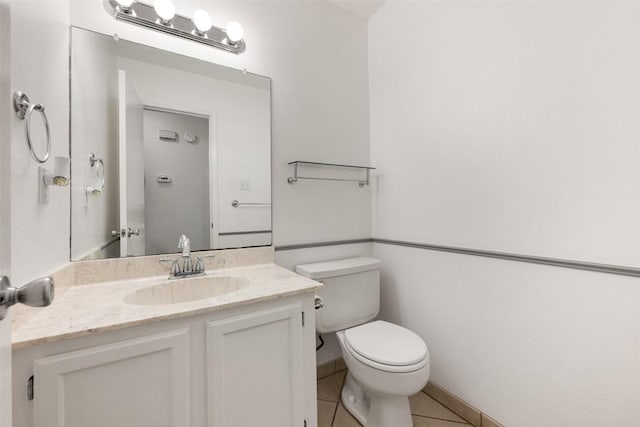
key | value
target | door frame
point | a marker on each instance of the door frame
(6, 119)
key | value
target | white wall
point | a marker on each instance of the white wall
(512, 126)
(517, 119)
(40, 68)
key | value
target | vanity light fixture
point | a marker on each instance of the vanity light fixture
(59, 177)
(162, 17)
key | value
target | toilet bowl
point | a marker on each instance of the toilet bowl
(386, 363)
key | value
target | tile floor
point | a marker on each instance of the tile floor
(426, 411)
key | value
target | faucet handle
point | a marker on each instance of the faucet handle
(200, 267)
(175, 265)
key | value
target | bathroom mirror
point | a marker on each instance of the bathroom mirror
(164, 145)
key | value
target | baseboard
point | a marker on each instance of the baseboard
(463, 409)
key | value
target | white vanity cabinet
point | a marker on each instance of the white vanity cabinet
(247, 366)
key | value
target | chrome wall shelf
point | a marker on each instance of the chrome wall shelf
(361, 182)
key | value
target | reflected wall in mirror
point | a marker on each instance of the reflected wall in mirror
(164, 145)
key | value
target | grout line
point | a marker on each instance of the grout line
(442, 419)
(335, 411)
(330, 401)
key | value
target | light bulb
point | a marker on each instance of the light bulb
(125, 5)
(61, 172)
(234, 32)
(202, 21)
(165, 10)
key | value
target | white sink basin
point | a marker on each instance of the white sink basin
(185, 290)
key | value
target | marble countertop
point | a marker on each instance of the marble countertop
(93, 308)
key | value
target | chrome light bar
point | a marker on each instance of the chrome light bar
(145, 15)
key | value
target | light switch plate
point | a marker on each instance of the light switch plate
(245, 185)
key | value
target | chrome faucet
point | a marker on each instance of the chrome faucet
(184, 243)
(187, 269)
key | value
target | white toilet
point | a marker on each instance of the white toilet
(387, 363)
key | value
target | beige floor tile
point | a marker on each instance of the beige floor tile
(326, 369)
(326, 411)
(329, 387)
(340, 365)
(433, 422)
(451, 401)
(344, 418)
(426, 406)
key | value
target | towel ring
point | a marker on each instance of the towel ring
(24, 110)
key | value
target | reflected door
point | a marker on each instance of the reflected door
(131, 169)
(176, 156)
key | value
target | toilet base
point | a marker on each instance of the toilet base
(375, 411)
(354, 399)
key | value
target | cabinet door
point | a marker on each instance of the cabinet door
(254, 369)
(135, 383)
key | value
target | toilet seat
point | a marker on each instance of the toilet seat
(387, 347)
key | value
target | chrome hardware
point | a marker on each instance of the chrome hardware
(318, 302)
(30, 392)
(143, 15)
(187, 269)
(93, 160)
(175, 267)
(361, 182)
(237, 204)
(184, 243)
(200, 267)
(126, 232)
(187, 265)
(97, 186)
(37, 293)
(24, 110)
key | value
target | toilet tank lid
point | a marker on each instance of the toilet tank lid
(340, 267)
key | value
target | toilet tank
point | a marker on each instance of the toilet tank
(351, 291)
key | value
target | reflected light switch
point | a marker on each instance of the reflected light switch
(245, 185)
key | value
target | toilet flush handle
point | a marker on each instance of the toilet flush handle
(318, 302)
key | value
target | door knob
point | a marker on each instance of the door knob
(37, 293)
(131, 232)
